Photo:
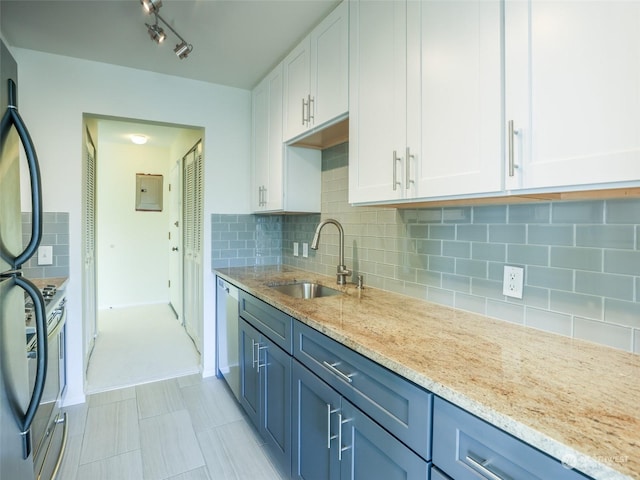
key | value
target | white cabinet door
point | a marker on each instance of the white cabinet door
(330, 67)
(459, 149)
(297, 89)
(377, 100)
(572, 92)
(267, 154)
(316, 76)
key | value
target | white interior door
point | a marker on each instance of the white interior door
(192, 242)
(89, 304)
(175, 241)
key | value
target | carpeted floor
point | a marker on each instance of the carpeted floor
(138, 345)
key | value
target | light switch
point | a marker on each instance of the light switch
(45, 255)
(305, 250)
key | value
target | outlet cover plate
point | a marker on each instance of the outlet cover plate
(513, 281)
(45, 255)
(305, 250)
(295, 249)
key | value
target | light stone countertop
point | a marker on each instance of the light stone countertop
(574, 400)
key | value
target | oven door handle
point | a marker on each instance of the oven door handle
(13, 118)
(25, 420)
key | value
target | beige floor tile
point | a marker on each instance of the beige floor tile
(211, 404)
(169, 445)
(159, 398)
(111, 429)
(127, 466)
(111, 396)
(188, 380)
(77, 418)
(197, 474)
(241, 444)
(218, 461)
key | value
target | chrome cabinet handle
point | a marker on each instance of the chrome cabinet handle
(340, 447)
(510, 135)
(408, 168)
(481, 466)
(263, 365)
(310, 101)
(253, 353)
(329, 436)
(332, 367)
(396, 159)
(305, 117)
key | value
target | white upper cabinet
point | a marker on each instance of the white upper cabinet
(267, 147)
(284, 179)
(425, 99)
(316, 76)
(377, 100)
(459, 147)
(572, 93)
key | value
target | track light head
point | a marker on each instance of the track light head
(156, 33)
(151, 6)
(183, 50)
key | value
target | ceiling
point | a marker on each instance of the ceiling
(235, 42)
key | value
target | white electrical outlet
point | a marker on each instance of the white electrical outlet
(305, 250)
(513, 281)
(295, 249)
(45, 255)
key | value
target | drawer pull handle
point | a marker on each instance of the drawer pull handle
(481, 466)
(332, 368)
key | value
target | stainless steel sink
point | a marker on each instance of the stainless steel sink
(305, 290)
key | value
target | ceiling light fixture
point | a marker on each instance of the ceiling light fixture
(138, 139)
(156, 32)
(151, 6)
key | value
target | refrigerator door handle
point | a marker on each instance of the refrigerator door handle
(12, 118)
(25, 420)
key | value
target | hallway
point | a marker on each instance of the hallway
(137, 345)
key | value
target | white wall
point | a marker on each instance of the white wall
(55, 91)
(132, 246)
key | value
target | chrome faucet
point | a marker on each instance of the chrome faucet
(342, 273)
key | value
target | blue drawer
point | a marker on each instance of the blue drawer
(398, 405)
(466, 447)
(274, 324)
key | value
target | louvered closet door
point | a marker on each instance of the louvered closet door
(192, 242)
(89, 245)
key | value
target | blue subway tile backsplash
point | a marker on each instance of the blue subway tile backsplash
(55, 233)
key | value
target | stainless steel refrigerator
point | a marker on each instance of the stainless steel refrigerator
(18, 400)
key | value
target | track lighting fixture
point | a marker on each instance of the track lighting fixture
(151, 6)
(156, 32)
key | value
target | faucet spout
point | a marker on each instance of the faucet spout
(342, 271)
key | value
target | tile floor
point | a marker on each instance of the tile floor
(186, 428)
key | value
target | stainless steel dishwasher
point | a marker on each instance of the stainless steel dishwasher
(227, 325)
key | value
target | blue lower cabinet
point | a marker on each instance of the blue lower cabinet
(437, 474)
(315, 426)
(335, 440)
(265, 392)
(466, 447)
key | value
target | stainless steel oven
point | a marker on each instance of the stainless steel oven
(49, 427)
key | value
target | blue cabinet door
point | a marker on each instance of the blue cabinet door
(315, 427)
(274, 367)
(249, 378)
(369, 451)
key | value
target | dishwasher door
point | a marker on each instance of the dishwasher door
(227, 323)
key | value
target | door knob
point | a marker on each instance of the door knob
(174, 249)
